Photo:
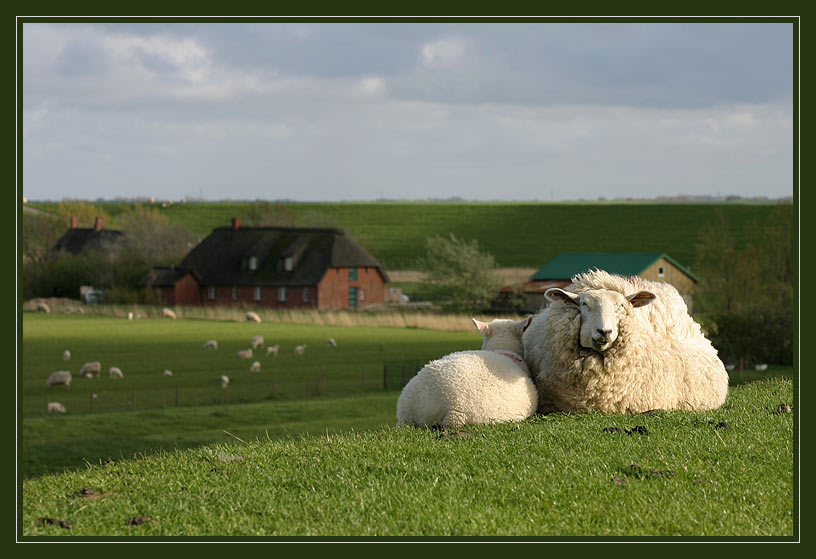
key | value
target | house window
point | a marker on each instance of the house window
(287, 264)
(661, 272)
(234, 292)
(305, 294)
(211, 292)
(253, 263)
(256, 293)
(352, 274)
(281, 294)
(352, 297)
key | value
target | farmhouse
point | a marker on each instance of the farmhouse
(78, 239)
(277, 267)
(648, 265)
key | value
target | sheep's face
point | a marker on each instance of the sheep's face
(601, 312)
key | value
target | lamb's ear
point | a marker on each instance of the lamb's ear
(483, 327)
(525, 323)
(555, 294)
(641, 298)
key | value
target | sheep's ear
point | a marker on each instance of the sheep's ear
(525, 323)
(641, 298)
(483, 327)
(555, 294)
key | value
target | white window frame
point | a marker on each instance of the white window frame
(253, 263)
(288, 264)
(211, 293)
(661, 272)
(256, 293)
(305, 294)
(282, 294)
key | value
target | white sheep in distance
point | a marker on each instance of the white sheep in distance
(491, 385)
(301, 349)
(115, 372)
(43, 307)
(257, 342)
(59, 377)
(90, 369)
(167, 373)
(253, 317)
(211, 344)
(224, 381)
(273, 349)
(55, 407)
(66, 355)
(168, 313)
(615, 344)
(130, 315)
(255, 367)
(245, 354)
(331, 342)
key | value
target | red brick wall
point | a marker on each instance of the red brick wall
(269, 297)
(333, 290)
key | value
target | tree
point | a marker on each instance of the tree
(459, 272)
(151, 239)
(40, 234)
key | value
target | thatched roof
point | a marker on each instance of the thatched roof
(81, 238)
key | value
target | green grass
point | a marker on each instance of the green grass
(395, 232)
(555, 476)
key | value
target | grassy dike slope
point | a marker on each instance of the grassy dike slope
(727, 472)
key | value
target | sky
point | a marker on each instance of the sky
(362, 111)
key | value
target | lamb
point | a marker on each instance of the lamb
(115, 372)
(66, 355)
(253, 317)
(55, 407)
(224, 381)
(301, 349)
(615, 344)
(167, 373)
(245, 354)
(59, 377)
(89, 369)
(168, 313)
(257, 342)
(130, 316)
(273, 349)
(43, 307)
(331, 342)
(211, 344)
(255, 367)
(491, 385)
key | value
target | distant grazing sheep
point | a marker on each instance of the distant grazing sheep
(55, 407)
(491, 385)
(167, 373)
(80, 310)
(300, 349)
(130, 316)
(115, 372)
(224, 381)
(43, 307)
(168, 313)
(59, 377)
(616, 344)
(253, 317)
(257, 342)
(89, 369)
(66, 355)
(255, 367)
(331, 342)
(211, 344)
(245, 354)
(273, 349)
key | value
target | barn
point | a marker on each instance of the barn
(650, 266)
(275, 267)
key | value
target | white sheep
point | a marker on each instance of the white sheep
(491, 385)
(273, 349)
(616, 344)
(168, 313)
(245, 354)
(301, 349)
(255, 367)
(130, 316)
(90, 369)
(66, 355)
(257, 342)
(59, 377)
(55, 407)
(224, 381)
(331, 342)
(43, 307)
(253, 317)
(115, 372)
(167, 373)
(211, 344)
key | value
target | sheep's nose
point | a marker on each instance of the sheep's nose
(604, 333)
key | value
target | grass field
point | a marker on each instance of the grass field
(525, 235)
(725, 473)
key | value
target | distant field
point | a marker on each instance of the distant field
(523, 235)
